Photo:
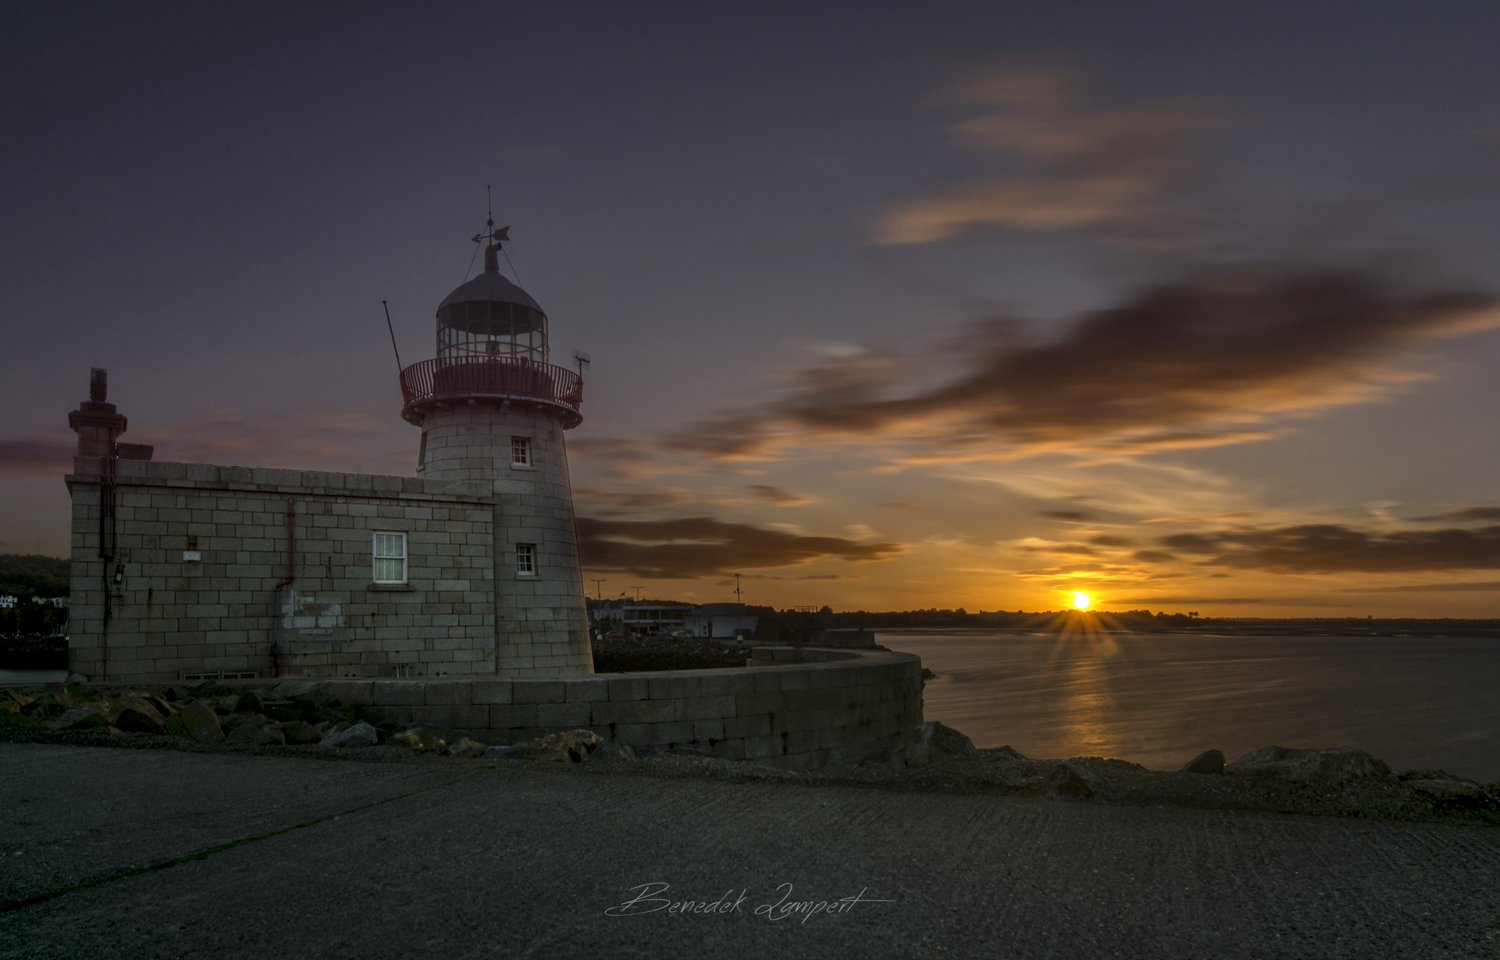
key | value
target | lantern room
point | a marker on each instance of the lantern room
(490, 317)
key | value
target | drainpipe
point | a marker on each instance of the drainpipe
(291, 555)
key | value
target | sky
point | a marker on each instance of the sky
(890, 306)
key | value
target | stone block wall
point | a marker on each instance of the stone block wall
(171, 616)
(544, 627)
(793, 716)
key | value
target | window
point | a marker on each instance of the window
(520, 451)
(526, 558)
(390, 558)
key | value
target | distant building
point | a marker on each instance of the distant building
(718, 621)
(193, 571)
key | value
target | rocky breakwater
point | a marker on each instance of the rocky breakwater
(206, 713)
(292, 714)
(1337, 781)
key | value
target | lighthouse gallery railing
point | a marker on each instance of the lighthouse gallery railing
(457, 378)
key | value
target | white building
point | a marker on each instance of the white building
(718, 621)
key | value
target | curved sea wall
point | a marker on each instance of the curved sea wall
(795, 715)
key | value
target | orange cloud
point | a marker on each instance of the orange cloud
(1080, 167)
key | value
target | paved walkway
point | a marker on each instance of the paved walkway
(451, 859)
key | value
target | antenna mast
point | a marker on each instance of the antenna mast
(393, 336)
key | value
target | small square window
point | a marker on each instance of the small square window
(520, 451)
(390, 558)
(526, 558)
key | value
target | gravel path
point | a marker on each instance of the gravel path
(452, 858)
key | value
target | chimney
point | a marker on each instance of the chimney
(95, 421)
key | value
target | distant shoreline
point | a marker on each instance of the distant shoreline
(1229, 627)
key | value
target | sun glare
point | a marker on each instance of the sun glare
(1081, 601)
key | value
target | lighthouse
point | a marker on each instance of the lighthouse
(492, 409)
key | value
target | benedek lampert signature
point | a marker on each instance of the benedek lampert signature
(646, 900)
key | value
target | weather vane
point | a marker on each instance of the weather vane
(495, 237)
(491, 234)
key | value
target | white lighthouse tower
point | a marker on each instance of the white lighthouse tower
(492, 409)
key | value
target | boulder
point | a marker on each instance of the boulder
(514, 752)
(1006, 753)
(1449, 789)
(132, 720)
(195, 721)
(1209, 761)
(249, 702)
(300, 731)
(468, 748)
(609, 751)
(1267, 761)
(162, 706)
(575, 746)
(43, 710)
(288, 689)
(933, 741)
(315, 697)
(359, 735)
(421, 738)
(862, 751)
(1335, 764)
(283, 711)
(19, 699)
(234, 721)
(1069, 780)
(9, 706)
(132, 700)
(252, 734)
(82, 718)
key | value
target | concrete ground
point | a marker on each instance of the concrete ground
(453, 858)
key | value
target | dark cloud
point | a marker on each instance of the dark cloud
(1109, 541)
(32, 456)
(1467, 586)
(701, 546)
(1066, 550)
(1333, 548)
(1155, 556)
(779, 496)
(1467, 513)
(617, 456)
(1202, 362)
(636, 498)
(1184, 601)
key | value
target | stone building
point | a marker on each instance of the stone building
(470, 568)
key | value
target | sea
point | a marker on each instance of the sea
(1160, 700)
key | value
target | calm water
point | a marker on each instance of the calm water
(1160, 701)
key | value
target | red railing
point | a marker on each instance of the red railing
(456, 379)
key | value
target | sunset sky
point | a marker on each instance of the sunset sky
(889, 305)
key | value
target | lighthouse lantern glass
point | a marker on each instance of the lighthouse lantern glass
(478, 329)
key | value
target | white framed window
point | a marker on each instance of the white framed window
(390, 558)
(526, 559)
(520, 451)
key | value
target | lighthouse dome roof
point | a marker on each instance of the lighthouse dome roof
(491, 287)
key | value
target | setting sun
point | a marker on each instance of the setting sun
(1081, 601)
